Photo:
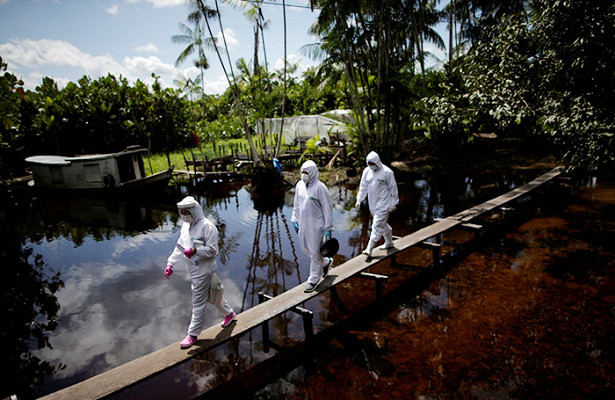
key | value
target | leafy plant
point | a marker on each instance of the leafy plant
(313, 146)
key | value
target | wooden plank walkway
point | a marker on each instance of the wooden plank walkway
(135, 371)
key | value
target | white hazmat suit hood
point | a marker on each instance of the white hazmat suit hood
(312, 170)
(190, 204)
(200, 234)
(373, 157)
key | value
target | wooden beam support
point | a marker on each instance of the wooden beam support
(118, 378)
(306, 315)
(378, 278)
(477, 229)
(435, 250)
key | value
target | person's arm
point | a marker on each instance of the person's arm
(209, 248)
(327, 207)
(175, 256)
(362, 194)
(393, 189)
(296, 215)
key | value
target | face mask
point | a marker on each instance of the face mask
(186, 218)
(374, 167)
(305, 178)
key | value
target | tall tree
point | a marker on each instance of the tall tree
(196, 42)
(378, 42)
(201, 12)
(550, 75)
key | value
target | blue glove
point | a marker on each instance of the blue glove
(327, 235)
(296, 226)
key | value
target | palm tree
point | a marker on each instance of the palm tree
(253, 11)
(196, 42)
(200, 12)
(279, 144)
(425, 17)
(188, 85)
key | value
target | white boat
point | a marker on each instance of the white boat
(111, 172)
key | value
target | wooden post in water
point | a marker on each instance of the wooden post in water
(126, 375)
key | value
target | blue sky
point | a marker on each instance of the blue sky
(66, 39)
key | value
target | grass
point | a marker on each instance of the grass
(158, 162)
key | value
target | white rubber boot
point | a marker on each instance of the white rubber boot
(388, 241)
(369, 248)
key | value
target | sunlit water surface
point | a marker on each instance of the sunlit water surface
(116, 304)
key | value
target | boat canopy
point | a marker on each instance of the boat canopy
(63, 160)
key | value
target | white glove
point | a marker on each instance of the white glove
(392, 208)
(358, 205)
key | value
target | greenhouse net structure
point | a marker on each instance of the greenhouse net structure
(297, 130)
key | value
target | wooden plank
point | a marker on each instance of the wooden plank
(475, 211)
(135, 371)
(114, 380)
(472, 227)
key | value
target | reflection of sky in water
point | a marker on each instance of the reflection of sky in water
(117, 305)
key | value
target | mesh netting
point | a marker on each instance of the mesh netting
(301, 128)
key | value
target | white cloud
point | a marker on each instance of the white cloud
(148, 48)
(139, 66)
(231, 38)
(292, 59)
(25, 57)
(29, 53)
(216, 87)
(113, 10)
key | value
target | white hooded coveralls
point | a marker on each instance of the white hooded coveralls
(380, 188)
(201, 272)
(313, 211)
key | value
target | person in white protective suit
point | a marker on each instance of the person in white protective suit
(197, 248)
(312, 219)
(379, 186)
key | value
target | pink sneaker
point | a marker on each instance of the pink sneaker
(187, 342)
(228, 319)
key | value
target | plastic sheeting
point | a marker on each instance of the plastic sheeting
(303, 127)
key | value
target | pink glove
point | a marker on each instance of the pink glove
(168, 271)
(189, 252)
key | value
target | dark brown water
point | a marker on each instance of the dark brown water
(525, 313)
(531, 315)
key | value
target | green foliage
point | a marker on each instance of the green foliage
(18, 109)
(376, 46)
(90, 116)
(313, 146)
(224, 127)
(551, 75)
(546, 70)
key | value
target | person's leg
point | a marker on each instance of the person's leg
(388, 237)
(226, 310)
(316, 264)
(200, 294)
(378, 223)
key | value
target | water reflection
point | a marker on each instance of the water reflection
(115, 303)
(29, 312)
(487, 329)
